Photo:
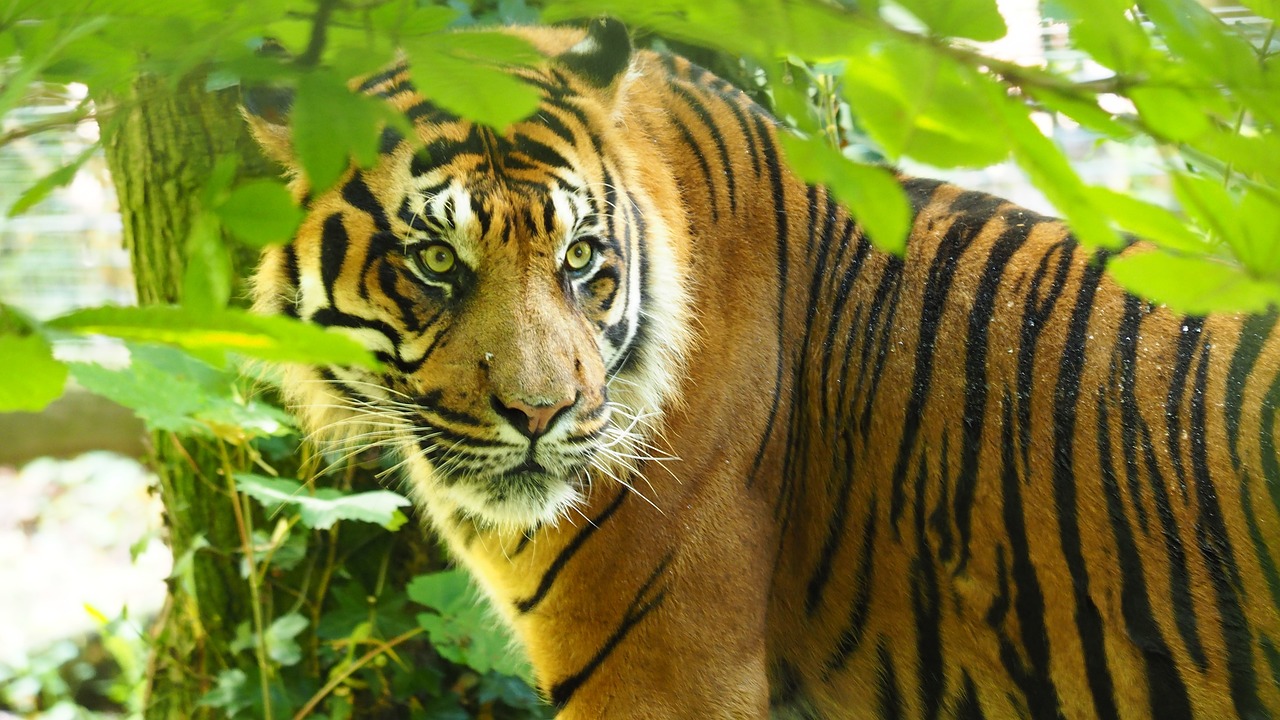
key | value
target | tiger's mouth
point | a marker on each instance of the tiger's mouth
(509, 485)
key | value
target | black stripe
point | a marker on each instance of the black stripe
(1125, 362)
(1165, 689)
(780, 247)
(566, 554)
(1018, 228)
(1036, 314)
(888, 695)
(333, 251)
(293, 280)
(968, 707)
(1253, 335)
(717, 139)
(357, 192)
(708, 184)
(926, 600)
(1035, 682)
(1066, 480)
(890, 289)
(1219, 557)
(385, 76)
(644, 602)
(837, 523)
(1187, 343)
(540, 152)
(860, 605)
(978, 211)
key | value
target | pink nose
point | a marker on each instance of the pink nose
(532, 420)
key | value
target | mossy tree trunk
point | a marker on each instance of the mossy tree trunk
(160, 156)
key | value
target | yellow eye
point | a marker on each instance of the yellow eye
(578, 256)
(437, 258)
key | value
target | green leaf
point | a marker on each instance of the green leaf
(1209, 204)
(1084, 111)
(404, 18)
(326, 506)
(973, 19)
(269, 338)
(261, 212)
(282, 646)
(56, 179)
(1258, 245)
(206, 280)
(458, 73)
(1194, 285)
(446, 592)
(1147, 221)
(1049, 170)
(871, 193)
(331, 126)
(172, 391)
(462, 629)
(231, 694)
(30, 378)
(914, 101)
(1170, 112)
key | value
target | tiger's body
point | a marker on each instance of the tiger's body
(978, 482)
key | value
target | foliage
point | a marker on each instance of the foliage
(855, 80)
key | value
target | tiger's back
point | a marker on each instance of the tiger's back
(978, 481)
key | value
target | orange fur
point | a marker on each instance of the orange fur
(978, 482)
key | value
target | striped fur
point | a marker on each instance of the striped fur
(978, 482)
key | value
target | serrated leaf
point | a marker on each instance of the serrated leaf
(269, 338)
(56, 179)
(916, 102)
(1209, 204)
(1147, 221)
(326, 506)
(30, 377)
(1084, 111)
(1170, 112)
(973, 19)
(261, 212)
(331, 126)
(1050, 172)
(871, 193)
(1193, 285)
(404, 18)
(170, 390)
(445, 591)
(465, 87)
(488, 47)
(462, 629)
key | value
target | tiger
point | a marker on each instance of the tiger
(712, 454)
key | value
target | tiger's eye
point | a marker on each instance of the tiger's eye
(438, 258)
(578, 256)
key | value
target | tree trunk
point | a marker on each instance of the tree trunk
(160, 156)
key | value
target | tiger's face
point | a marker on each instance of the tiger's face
(522, 292)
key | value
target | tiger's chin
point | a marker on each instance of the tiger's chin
(519, 500)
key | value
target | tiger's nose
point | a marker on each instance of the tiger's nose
(532, 420)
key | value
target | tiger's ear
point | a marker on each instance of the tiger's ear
(602, 56)
(266, 108)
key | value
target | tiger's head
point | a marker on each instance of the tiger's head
(523, 291)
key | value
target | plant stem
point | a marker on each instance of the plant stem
(349, 670)
(244, 523)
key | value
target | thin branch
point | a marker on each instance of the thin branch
(349, 670)
(319, 33)
(60, 121)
